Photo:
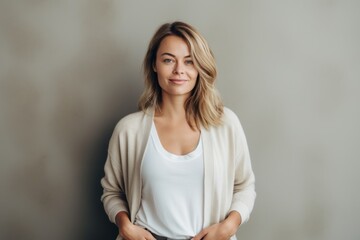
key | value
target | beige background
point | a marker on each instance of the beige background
(71, 69)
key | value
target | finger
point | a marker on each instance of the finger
(149, 236)
(200, 235)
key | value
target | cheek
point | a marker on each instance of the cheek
(195, 74)
(164, 71)
(160, 73)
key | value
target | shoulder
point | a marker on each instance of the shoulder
(233, 127)
(230, 118)
(230, 123)
(132, 121)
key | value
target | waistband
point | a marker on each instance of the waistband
(163, 238)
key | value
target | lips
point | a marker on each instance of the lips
(178, 81)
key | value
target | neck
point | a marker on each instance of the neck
(172, 107)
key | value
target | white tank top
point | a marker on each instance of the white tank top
(172, 191)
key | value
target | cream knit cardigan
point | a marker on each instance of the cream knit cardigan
(229, 182)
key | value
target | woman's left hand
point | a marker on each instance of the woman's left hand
(221, 231)
(215, 232)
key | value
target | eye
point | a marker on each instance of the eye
(167, 60)
(189, 62)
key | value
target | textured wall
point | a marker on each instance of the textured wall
(70, 69)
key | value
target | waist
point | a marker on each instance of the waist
(157, 237)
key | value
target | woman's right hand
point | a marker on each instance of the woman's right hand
(133, 232)
(129, 231)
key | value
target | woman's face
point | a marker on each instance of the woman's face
(175, 68)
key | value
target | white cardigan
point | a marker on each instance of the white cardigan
(229, 182)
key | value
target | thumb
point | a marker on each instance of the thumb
(200, 235)
(149, 236)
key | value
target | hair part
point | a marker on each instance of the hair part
(204, 107)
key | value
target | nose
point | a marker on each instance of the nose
(178, 68)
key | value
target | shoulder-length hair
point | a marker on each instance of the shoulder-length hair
(204, 106)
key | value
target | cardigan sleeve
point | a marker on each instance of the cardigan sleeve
(113, 197)
(244, 182)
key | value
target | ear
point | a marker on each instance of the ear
(154, 67)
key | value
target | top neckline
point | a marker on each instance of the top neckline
(188, 156)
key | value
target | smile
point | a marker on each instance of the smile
(178, 81)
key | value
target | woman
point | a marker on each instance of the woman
(180, 167)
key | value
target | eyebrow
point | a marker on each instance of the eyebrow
(172, 55)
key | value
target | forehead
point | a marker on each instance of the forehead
(174, 45)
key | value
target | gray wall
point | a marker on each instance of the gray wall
(71, 69)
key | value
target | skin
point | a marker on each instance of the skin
(177, 77)
(175, 69)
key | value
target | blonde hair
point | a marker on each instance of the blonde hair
(204, 106)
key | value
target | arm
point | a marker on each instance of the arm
(243, 186)
(244, 183)
(113, 197)
(116, 205)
